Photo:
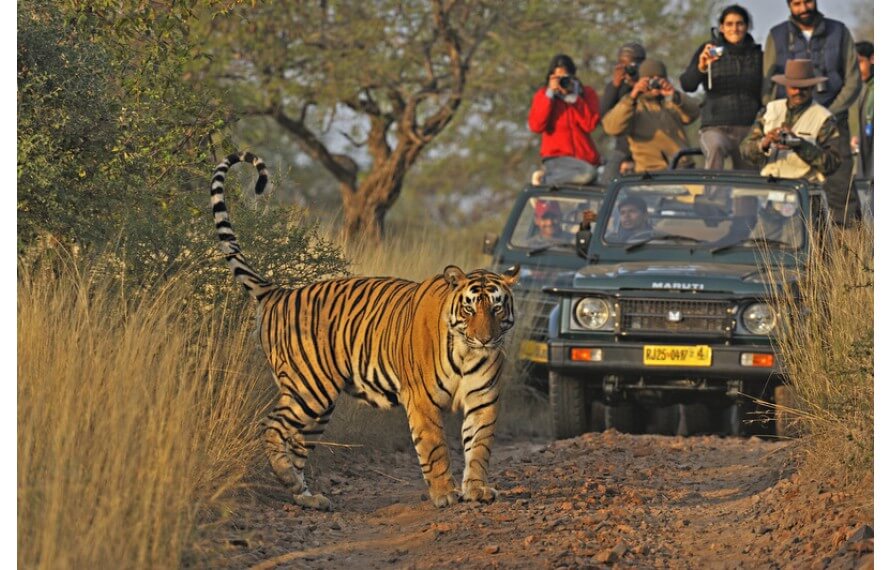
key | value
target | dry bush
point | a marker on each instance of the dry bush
(134, 417)
(826, 342)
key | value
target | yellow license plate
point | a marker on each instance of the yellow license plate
(534, 351)
(677, 355)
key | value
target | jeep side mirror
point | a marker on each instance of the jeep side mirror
(490, 240)
(582, 241)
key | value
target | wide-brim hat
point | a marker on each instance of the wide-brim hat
(798, 73)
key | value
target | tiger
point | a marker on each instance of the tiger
(432, 347)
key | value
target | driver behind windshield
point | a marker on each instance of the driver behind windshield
(634, 221)
(549, 229)
(769, 222)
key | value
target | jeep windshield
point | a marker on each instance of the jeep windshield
(715, 217)
(550, 222)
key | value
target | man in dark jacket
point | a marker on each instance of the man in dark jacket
(625, 74)
(807, 34)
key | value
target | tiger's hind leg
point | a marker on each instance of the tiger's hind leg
(289, 435)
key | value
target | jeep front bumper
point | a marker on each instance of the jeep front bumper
(742, 362)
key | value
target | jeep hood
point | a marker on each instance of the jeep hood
(705, 277)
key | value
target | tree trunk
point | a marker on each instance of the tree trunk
(365, 208)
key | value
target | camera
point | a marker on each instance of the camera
(654, 83)
(565, 82)
(631, 70)
(790, 140)
(716, 51)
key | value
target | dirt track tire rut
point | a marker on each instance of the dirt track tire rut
(600, 499)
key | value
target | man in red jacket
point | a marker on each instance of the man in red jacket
(565, 112)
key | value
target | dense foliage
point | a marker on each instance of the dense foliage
(115, 143)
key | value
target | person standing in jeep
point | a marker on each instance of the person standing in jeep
(729, 68)
(795, 137)
(625, 74)
(565, 112)
(807, 34)
(652, 117)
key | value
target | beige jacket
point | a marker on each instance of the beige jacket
(654, 128)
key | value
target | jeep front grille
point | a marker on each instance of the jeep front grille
(531, 311)
(695, 317)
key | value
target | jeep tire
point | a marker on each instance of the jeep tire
(785, 423)
(570, 405)
(622, 417)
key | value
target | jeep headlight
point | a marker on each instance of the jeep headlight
(759, 318)
(592, 313)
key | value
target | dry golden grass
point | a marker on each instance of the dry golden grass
(827, 345)
(133, 419)
(138, 417)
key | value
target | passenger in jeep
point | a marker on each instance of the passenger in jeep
(548, 229)
(634, 221)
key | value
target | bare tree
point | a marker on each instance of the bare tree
(394, 71)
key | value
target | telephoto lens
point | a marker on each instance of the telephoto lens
(565, 82)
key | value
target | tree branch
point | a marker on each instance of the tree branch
(341, 166)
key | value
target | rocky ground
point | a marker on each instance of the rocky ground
(605, 499)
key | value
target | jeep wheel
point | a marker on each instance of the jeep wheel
(663, 420)
(622, 417)
(598, 415)
(570, 405)
(786, 422)
(732, 419)
(744, 417)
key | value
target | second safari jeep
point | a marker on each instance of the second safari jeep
(541, 258)
(672, 327)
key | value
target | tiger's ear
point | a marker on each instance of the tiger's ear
(511, 275)
(454, 276)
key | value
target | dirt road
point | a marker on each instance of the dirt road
(605, 499)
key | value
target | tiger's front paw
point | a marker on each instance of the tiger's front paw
(444, 495)
(445, 500)
(480, 492)
(309, 501)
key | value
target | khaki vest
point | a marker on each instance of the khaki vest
(786, 163)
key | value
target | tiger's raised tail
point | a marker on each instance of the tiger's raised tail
(257, 286)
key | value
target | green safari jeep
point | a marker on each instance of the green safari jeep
(669, 329)
(539, 235)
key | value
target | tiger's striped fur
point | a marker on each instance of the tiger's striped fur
(429, 346)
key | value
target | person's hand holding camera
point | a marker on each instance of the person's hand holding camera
(666, 89)
(642, 85)
(619, 74)
(562, 84)
(778, 138)
(624, 73)
(710, 54)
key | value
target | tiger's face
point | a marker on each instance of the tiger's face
(482, 308)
